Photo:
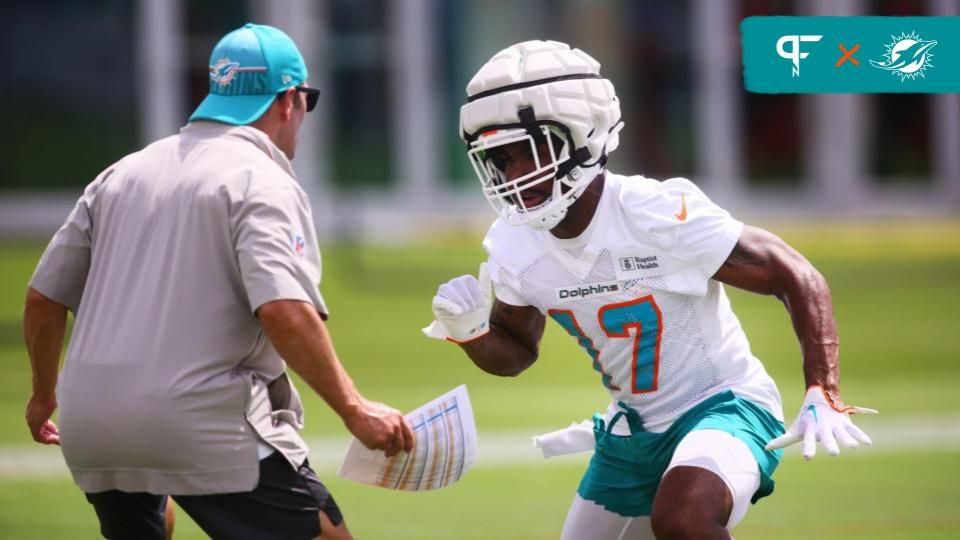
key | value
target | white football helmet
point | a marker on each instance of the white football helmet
(540, 91)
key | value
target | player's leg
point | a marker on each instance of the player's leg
(286, 503)
(691, 503)
(707, 487)
(615, 495)
(130, 515)
(587, 519)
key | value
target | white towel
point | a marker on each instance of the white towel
(576, 438)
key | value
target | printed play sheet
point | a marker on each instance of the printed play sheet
(446, 446)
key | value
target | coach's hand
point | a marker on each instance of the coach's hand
(821, 420)
(39, 411)
(462, 308)
(380, 427)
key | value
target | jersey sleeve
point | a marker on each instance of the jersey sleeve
(687, 225)
(502, 245)
(505, 285)
(276, 244)
(61, 274)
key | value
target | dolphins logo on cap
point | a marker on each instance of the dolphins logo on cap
(907, 56)
(223, 71)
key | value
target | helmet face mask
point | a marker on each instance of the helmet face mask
(517, 199)
(539, 92)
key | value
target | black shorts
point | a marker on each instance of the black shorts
(284, 505)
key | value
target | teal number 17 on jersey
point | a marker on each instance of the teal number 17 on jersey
(617, 320)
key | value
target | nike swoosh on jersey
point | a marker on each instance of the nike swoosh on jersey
(682, 214)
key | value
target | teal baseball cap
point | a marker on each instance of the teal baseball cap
(248, 68)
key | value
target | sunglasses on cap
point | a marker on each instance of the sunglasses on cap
(313, 95)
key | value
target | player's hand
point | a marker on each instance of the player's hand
(39, 411)
(380, 427)
(462, 308)
(822, 420)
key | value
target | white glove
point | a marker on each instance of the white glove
(462, 308)
(820, 420)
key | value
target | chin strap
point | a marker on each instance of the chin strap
(553, 218)
(578, 158)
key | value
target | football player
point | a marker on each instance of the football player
(634, 269)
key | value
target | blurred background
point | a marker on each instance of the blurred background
(866, 186)
(87, 81)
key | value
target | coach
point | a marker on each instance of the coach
(192, 270)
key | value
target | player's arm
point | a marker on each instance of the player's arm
(763, 263)
(513, 343)
(500, 338)
(44, 326)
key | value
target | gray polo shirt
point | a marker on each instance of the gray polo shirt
(169, 378)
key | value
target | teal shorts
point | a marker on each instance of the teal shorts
(625, 471)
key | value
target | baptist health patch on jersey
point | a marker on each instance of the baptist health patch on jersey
(587, 290)
(632, 264)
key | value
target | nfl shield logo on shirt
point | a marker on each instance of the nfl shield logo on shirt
(298, 245)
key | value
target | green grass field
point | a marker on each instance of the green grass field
(896, 288)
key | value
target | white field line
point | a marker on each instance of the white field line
(890, 435)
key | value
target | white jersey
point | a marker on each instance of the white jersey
(634, 289)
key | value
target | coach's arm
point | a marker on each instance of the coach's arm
(44, 326)
(300, 336)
